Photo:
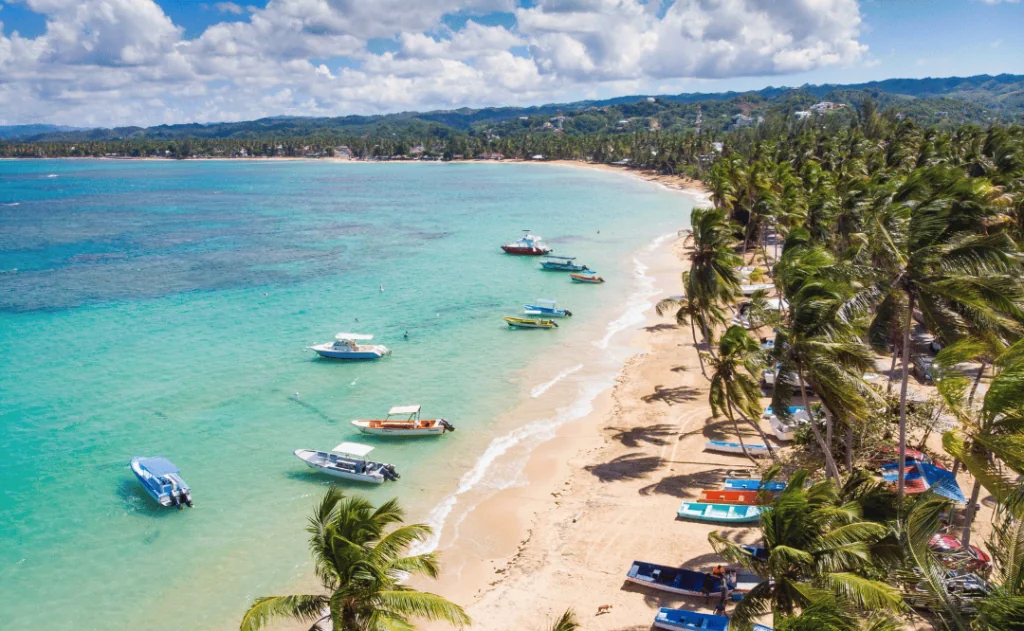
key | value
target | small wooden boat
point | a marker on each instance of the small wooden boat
(561, 264)
(729, 496)
(719, 513)
(721, 446)
(674, 619)
(348, 461)
(586, 278)
(750, 484)
(404, 420)
(749, 290)
(162, 480)
(687, 582)
(530, 323)
(544, 307)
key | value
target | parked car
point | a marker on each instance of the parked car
(921, 365)
(954, 556)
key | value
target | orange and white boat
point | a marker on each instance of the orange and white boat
(742, 498)
(404, 420)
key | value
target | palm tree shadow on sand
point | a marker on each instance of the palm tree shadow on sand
(626, 467)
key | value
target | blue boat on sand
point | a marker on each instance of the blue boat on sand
(162, 480)
(686, 582)
(793, 409)
(672, 619)
(719, 513)
(739, 484)
(725, 447)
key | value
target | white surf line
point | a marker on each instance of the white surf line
(640, 301)
(544, 387)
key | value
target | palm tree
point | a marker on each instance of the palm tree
(695, 313)
(734, 389)
(713, 277)
(817, 545)
(361, 565)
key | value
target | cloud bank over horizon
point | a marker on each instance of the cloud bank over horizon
(126, 62)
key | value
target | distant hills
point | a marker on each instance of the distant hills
(981, 99)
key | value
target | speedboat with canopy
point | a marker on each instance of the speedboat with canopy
(348, 461)
(544, 307)
(561, 264)
(404, 420)
(162, 480)
(347, 346)
(528, 245)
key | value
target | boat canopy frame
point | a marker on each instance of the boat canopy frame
(357, 450)
(353, 337)
(401, 410)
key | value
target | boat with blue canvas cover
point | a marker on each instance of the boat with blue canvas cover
(719, 513)
(545, 307)
(561, 264)
(751, 484)
(162, 480)
(687, 582)
(347, 346)
(726, 447)
(672, 619)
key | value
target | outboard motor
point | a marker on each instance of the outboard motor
(448, 427)
(186, 499)
(389, 473)
(568, 313)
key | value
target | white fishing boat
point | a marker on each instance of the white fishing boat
(404, 420)
(348, 461)
(786, 430)
(749, 290)
(347, 346)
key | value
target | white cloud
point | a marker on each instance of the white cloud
(118, 62)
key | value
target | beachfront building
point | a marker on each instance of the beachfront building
(801, 114)
(826, 106)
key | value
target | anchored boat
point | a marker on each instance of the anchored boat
(347, 346)
(719, 513)
(160, 477)
(530, 323)
(348, 461)
(528, 245)
(561, 264)
(546, 308)
(589, 277)
(404, 420)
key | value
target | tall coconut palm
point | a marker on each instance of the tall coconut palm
(713, 276)
(816, 547)
(359, 555)
(734, 390)
(694, 312)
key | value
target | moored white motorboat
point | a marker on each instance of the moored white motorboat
(528, 245)
(348, 461)
(347, 346)
(544, 307)
(561, 264)
(404, 420)
(160, 477)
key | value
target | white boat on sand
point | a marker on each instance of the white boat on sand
(348, 461)
(347, 346)
(404, 420)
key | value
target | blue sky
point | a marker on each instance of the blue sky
(119, 62)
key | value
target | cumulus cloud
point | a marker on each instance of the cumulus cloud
(117, 62)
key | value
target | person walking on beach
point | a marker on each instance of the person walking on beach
(720, 608)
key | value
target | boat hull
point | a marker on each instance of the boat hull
(304, 454)
(735, 448)
(524, 323)
(682, 581)
(676, 619)
(525, 251)
(365, 428)
(729, 496)
(719, 513)
(555, 267)
(352, 355)
(591, 280)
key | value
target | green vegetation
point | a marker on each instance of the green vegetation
(361, 565)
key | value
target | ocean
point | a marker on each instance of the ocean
(164, 308)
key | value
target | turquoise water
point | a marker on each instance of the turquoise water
(163, 308)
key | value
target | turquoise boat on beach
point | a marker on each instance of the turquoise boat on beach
(726, 447)
(751, 484)
(719, 513)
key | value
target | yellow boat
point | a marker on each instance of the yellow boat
(530, 323)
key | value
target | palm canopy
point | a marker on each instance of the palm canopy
(817, 546)
(359, 555)
(712, 261)
(734, 389)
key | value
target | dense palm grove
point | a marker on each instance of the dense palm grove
(875, 236)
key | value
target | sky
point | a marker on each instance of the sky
(88, 63)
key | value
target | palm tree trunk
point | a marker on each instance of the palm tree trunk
(693, 332)
(974, 386)
(736, 426)
(965, 535)
(757, 426)
(849, 447)
(892, 370)
(830, 466)
(901, 480)
(828, 426)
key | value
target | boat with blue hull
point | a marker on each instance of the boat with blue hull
(162, 480)
(722, 446)
(719, 513)
(554, 263)
(547, 308)
(739, 484)
(347, 346)
(687, 582)
(673, 619)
